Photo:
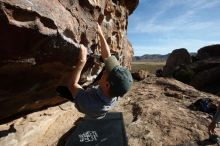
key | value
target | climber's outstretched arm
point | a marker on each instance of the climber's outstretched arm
(105, 50)
(73, 84)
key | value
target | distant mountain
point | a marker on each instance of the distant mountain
(151, 57)
(155, 57)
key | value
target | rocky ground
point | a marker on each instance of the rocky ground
(156, 112)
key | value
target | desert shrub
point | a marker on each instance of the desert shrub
(184, 75)
(159, 73)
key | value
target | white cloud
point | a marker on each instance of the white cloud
(141, 50)
(163, 47)
(192, 24)
(194, 4)
(184, 21)
(153, 28)
(204, 4)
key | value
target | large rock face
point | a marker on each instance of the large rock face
(39, 45)
(202, 73)
(206, 69)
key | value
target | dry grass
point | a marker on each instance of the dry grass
(149, 66)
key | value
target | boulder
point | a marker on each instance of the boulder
(39, 47)
(140, 75)
(205, 64)
(209, 51)
(208, 80)
(206, 74)
(176, 58)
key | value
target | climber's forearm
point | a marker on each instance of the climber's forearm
(77, 73)
(73, 84)
(105, 50)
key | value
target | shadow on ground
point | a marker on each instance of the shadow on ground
(64, 138)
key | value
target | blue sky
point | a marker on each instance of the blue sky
(160, 26)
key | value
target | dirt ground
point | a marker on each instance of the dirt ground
(156, 113)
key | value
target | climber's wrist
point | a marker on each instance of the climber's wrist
(82, 54)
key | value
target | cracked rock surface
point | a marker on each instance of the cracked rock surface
(39, 46)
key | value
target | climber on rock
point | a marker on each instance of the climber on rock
(212, 125)
(115, 82)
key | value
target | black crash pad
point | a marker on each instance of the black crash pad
(108, 131)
